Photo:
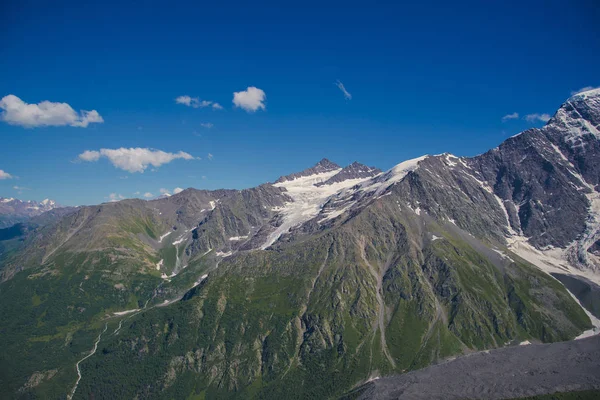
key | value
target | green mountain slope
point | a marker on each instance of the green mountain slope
(316, 317)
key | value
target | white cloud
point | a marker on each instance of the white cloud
(207, 125)
(514, 115)
(20, 189)
(538, 117)
(45, 113)
(251, 99)
(164, 192)
(90, 155)
(340, 86)
(203, 176)
(115, 197)
(210, 156)
(185, 100)
(134, 159)
(195, 102)
(584, 89)
(5, 175)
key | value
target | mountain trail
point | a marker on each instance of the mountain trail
(70, 396)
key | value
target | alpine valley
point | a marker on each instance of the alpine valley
(310, 286)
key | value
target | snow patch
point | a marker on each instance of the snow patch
(382, 182)
(164, 236)
(119, 313)
(503, 255)
(336, 212)
(449, 161)
(199, 281)
(236, 238)
(221, 254)
(308, 200)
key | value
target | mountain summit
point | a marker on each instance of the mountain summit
(321, 167)
(306, 287)
(352, 171)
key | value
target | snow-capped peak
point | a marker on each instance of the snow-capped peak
(310, 195)
(395, 174)
(352, 171)
(308, 199)
(398, 172)
(24, 209)
(323, 166)
(588, 94)
(578, 116)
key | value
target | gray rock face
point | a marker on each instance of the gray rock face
(541, 184)
(322, 166)
(238, 220)
(352, 171)
(545, 176)
(574, 129)
(544, 200)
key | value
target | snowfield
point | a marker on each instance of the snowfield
(308, 199)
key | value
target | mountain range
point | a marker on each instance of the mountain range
(314, 284)
(13, 210)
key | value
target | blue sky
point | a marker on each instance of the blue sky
(423, 79)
